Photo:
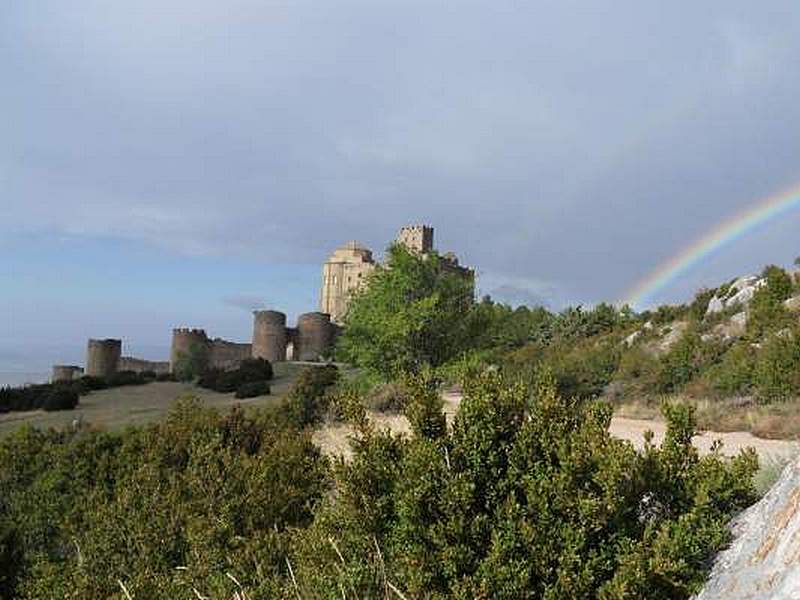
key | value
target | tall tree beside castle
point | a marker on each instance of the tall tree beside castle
(412, 312)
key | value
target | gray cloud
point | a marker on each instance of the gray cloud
(574, 143)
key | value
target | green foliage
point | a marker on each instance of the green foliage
(251, 370)
(767, 313)
(63, 395)
(164, 509)
(734, 374)
(698, 308)
(528, 496)
(499, 326)
(582, 367)
(686, 360)
(307, 400)
(638, 371)
(776, 373)
(192, 364)
(60, 398)
(412, 313)
(252, 389)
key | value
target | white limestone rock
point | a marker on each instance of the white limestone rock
(715, 305)
(763, 562)
(792, 304)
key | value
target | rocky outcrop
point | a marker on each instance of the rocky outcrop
(740, 293)
(792, 304)
(763, 562)
(671, 334)
(734, 327)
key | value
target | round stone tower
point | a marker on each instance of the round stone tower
(63, 373)
(102, 357)
(184, 342)
(269, 335)
(314, 336)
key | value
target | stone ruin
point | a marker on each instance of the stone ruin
(312, 339)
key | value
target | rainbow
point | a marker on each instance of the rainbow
(724, 234)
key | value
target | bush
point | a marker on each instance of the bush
(122, 378)
(526, 497)
(776, 373)
(387, 398)
(92, 383)
(217, 494)
(190, 365)
(734, 375)
(307, 402)
(252, 389)
(254, 370)
(60, 398)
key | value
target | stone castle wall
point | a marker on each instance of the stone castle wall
(228, 355)
(139, 365)
(343, 274)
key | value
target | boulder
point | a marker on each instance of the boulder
(733, 328)
(745, 294)
(763, 562)
(715, 305)
(792, 304)
(671, 334)
(631, 339)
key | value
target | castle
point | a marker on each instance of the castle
(345, 271)
(348, 267)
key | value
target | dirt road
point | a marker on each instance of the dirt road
(333, 439)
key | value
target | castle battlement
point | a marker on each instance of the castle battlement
(189, 331)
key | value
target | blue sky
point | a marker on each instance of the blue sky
(167, 164)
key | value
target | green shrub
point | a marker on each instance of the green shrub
(776, 374)
(60, 398)
(252, 389)
(734, 374)
(387, 398)
(123, 378)
(190, 365)
(687, 360)
(165, 509)
(526, 497)
(307, 401)
(254, 370)
(92, 383)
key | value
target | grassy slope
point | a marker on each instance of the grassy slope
(133, 405)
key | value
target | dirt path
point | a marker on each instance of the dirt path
(732, 442)
(333, 439)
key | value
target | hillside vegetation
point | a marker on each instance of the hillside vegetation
(734, 347)
(526, 496)
(526, 493)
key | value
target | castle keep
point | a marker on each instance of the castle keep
(345, 271)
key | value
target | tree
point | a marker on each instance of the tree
(412, 312)
(191, 364)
